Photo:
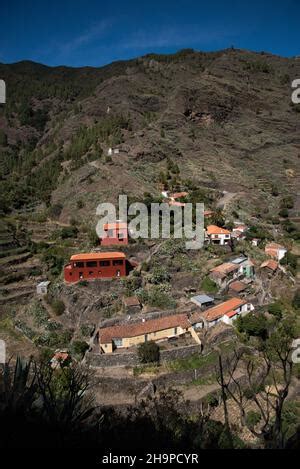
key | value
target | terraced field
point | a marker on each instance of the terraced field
(19, 269)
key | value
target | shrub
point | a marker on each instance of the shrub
(3, 138)
(159, 275)
(148, 352)
(212, 400)
(289, 227)
(53, 260)
(284, 213)
(131, 284)
(80, 204)
(159, 298)
(55, 210)
(217, 218)
(69, 232)
(287, 202)
(79, 348)
(291, 260)
(253, 418)
(209, 286)
(87, 330)
(296, 300)
(256, 232)
(276, 310)
(93, 237)
(253, 325)
(58, 307)
(54, 339)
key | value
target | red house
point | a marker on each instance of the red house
(95, 265)
(116, 234)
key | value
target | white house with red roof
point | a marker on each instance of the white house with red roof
(226, 312)
(277, 251)
(216, 235)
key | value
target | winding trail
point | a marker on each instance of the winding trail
(226, 199)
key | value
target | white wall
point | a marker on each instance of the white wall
(281, 253)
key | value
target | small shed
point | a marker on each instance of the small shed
(270, 266)
(196, 319)
(202, 300)
(42, 288)
(237, 287)
(61, 358)
(131, 305)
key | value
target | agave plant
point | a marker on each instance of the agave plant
(18, 388)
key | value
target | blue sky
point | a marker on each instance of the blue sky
(90, 32)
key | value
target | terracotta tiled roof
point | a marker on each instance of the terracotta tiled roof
(178, 195)
(220, 310)
(240, 228)
(274, 246)
(272, 265)
(238, 286)
(225, 269)
(176, 204)
(213, 229)
(231, 314)
(60, 356)
(208, 213)
(272, 249)
(97, 256)
(107, 334)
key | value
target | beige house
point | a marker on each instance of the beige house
(131, 334)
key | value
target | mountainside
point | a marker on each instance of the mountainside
(218, 128)
(225, 119)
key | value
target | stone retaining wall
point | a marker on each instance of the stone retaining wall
(131, 358)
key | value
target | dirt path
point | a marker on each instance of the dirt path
(226, 199)
(196, 392)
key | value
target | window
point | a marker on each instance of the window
(118, 262)
(91, 273)
(110, 233)
(78, 264)
(118, 342)
(121, 236)
(104, 263)
(91, 264)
